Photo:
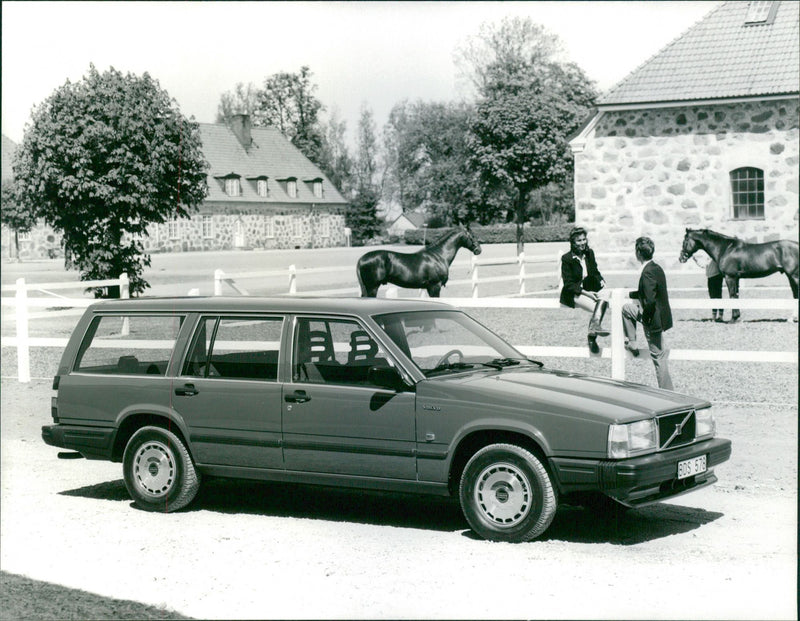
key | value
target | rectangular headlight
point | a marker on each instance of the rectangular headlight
(705, 425)
(632, 438)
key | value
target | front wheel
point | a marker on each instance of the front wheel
(506, 494)
(158, 470)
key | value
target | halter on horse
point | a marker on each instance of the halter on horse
(737, 259)
(425, 269)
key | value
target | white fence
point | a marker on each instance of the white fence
(616, 352)
(22, 302)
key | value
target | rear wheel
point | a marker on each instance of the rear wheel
(158, 470)
(506, 494)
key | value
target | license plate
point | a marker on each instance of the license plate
(690, 467)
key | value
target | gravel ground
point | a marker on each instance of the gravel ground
(258, 550)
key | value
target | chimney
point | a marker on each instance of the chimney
(240, 124)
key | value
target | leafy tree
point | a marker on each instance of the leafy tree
(529, 104)
(335, 159)
(242, 100)
(287, 102)
(362, 216)
(101, 160)
(430, 164)
(14, 215)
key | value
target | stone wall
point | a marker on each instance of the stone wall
(289, 229)
(655, 172)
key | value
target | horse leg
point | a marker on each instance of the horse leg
(793, 283)
(733, 292)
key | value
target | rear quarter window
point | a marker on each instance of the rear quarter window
(128, 344)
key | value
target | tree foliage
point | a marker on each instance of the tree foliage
(242, 100)
(101, 160)
(362, 215)
(529, 104)
(335, 159)
(14, 215)
(288, 103)
(429, 164)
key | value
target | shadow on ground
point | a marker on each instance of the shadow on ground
(571, 524)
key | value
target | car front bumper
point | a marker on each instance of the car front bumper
(639, 481)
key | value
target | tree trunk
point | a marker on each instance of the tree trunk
(522, 198)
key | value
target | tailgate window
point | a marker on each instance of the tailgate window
(129, 344)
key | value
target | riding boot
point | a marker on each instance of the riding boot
(593, 347)
(595, 327)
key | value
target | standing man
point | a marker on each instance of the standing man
(651, 309)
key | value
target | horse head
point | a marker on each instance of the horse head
(468, 240)
(689, 247)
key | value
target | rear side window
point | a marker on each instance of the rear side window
(129, 344)
(243, 348)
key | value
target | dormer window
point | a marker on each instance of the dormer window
(761, 12)
(261, 187)
(232, 186)
(318, 188)
(291, 188)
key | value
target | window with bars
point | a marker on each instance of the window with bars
(208, 227)
(172, 229)
(747, 193)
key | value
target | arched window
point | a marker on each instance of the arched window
(747, 193)
(232, 187)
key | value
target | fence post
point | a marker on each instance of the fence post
(521, 261)
(617, 335)
(23, 346)
(474, 275)
(218, 277)
(292, 280)
(125, 294)
(391, 292)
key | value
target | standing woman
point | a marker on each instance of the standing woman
(582, 280)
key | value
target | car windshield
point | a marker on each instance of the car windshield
(443, 341)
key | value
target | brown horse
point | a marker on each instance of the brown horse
(426, 269)
(738, 259)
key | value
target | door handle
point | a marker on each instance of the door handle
(298, 396)
(188, 390)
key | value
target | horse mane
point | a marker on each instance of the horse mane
(711, 233)
(440, 241)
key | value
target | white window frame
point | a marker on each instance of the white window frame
(758, 193)
(207, 224)
(759, 11)
(232, 186)
(269, 227)
(291, 188)
(297, 226)
(173, 229)
(262, 188)
(325, 226)
(24, 236)
(318, 189)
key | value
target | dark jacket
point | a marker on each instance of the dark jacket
(652, 295)
(573, 277)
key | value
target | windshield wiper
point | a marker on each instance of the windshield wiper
(449, 366)
(500, 363)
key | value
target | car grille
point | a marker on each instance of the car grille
(683, 422)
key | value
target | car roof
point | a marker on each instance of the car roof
(295, 304)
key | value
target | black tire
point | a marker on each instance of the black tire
(506, 494)
(158, 470)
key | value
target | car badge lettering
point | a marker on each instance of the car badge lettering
(433, 408)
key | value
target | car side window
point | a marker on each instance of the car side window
(243, 348)
(333, 351)
(128, 344)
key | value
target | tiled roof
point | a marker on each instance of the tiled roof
(7, 158)
(720, 57)
(271, 155)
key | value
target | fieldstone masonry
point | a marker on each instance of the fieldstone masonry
(655, 172)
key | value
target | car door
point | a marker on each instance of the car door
(334, 419)
(228, 391)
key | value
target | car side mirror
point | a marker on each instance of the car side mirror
(386, 377)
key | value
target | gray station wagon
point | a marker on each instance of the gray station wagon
(402, 395)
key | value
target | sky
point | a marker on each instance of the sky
(372, 54)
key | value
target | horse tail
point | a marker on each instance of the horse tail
(359, 265)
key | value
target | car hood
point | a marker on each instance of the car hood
(575, 394)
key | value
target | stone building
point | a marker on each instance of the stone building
(262, 193)
(704, 134)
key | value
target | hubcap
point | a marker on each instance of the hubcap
(154, 469)
(503, 494)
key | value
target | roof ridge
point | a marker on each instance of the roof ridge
(663, 49)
